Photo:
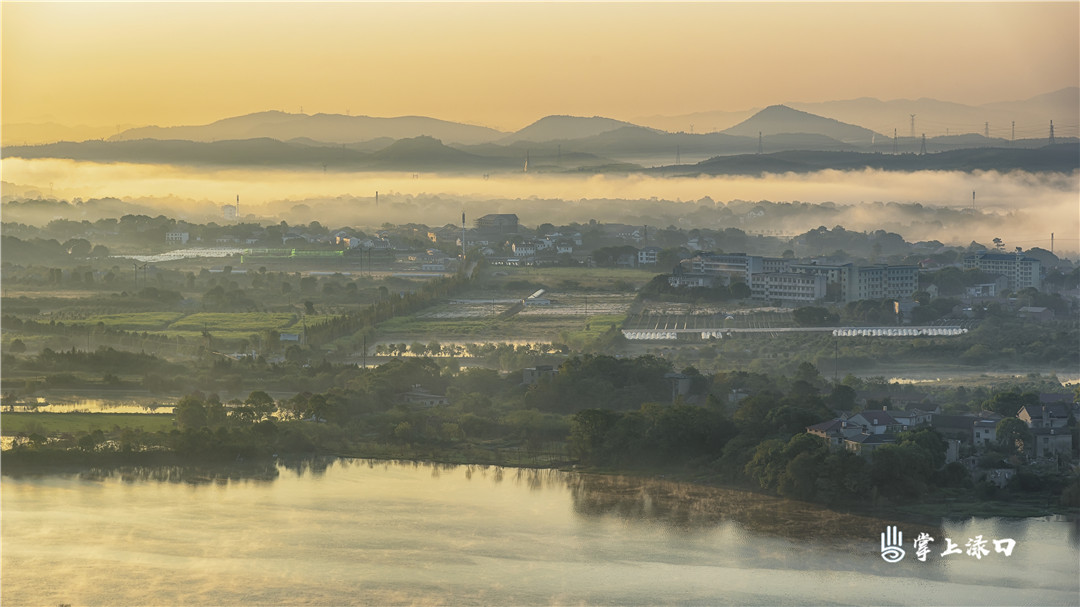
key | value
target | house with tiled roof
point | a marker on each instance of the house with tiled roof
(1055, 415)
(865, 444)
(875, 421)
(834, 432)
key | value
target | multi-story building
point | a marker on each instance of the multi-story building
(834, 274)
(788, 286)
(1022, 272)
(732, 266)
(498, 223)
(177, 237)
(880, 282)
(648, 256)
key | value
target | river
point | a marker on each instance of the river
(378, 533)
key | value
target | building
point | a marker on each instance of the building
(229, 212)
(788, 287)
(497, 223)
(648, 256)
(990, 289)
(1054, 415)
(1021, 271)
(732, 267)
(533, 375)
(834, 432)
(682, 278)
(873, 421)
(883, 282)
(420, 396)
(1036, 313)
(523, 249)
(1052, 441)
(864, 444)
(177, 237)
(984, 432)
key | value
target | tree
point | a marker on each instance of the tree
(1013, 435)
(261, 403)
(588, 429)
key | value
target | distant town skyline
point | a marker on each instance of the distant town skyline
(504, 65)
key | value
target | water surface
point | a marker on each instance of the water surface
(367, 532)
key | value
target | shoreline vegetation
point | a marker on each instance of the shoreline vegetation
(930, 510)
(171, 468)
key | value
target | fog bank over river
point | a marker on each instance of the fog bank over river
(1022, 209)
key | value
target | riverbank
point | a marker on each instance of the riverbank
(931, 510)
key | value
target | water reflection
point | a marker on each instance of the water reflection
(688, 507)
(347, 531)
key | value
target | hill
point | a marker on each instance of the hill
(331, 128)
(781, 119)
(552, 128)
(1064, 158)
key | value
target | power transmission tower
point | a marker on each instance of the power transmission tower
(1051, 132)
(1013, 136)
(760, 140)
(895, 147)
(913, 126)
(922, 150)
(986, 132)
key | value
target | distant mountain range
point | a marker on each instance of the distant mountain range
(572, 143)
(328, 128)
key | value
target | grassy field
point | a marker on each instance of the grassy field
(58, 423)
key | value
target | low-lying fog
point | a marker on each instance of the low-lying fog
(1022, 209)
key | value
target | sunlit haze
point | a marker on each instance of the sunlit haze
(505, 65)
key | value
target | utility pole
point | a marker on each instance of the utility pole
(760, 142)
(1013, 137)
(895, 147)
(1051, 132)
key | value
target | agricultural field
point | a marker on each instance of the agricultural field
(135, 321)
(48, 424)
(234, 321)
(505, 320)
(624, 280)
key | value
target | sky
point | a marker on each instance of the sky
(505, 65)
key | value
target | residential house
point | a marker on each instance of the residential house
(877, 422)
(1055, 415)
(533, 375)
(834, 432)
(419, 396)
(1036, 313)
(648, 256)
(984, 432)
(1052, 441)
(864, 444)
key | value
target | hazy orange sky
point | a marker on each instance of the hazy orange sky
(505, 65)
